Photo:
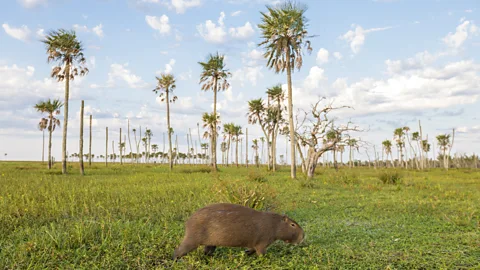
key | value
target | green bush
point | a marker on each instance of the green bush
(390, 177)
(258, 196)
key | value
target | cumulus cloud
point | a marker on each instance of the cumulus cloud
(235, 13)
(182, 5)
(40, 33)
(337, 55)
(356, 37)
(169, 66)
(21, 33)
(98, 30)
(242, 32)
(161, 24)
(216, 33)
(247, 73)
(322, 56)
(119, 72)
(465, 30)
(315, 76)
(213, 33)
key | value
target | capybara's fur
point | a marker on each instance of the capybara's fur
(232, 225)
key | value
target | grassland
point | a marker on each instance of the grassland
(132, 217)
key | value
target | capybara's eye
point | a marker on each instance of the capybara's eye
(293, 224)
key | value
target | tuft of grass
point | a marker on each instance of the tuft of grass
(202, 169)
(256, 176)
(390, 177)
(257, 196)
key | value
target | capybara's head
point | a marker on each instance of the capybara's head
(289, 231)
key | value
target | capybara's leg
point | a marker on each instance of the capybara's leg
(250, 251)
(208, 250)
(261, 250)
(183, 249)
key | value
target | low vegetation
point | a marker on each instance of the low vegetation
(132, 216)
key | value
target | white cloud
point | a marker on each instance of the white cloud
(463, 31)
(120, 72)
(159, 23)
(40, 33)
(98, 30)
(32, 3)
(169, 66)
(340, 84)
(182, 5)
(337, 55)
(216, 33)
(247, 73)
(242, 32)
(80, 28)
(322, 56)
(21, 33)
(420, 60)
(213, 33)
(235, 13)
(314, 77)
(356, 37)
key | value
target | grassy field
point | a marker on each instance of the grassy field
(133, 216)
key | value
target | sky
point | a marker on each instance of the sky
(395, 62)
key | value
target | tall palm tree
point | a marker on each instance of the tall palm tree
(64, 49)
(256, 114)
(274, 116)
(236, 132)
(262, 139)
(444, 143)
(42, 125)
(284, 33)
(333, 137)
(352, 143)
(166, 85)
(228, 129)
(387, 147)
(214, 77)
(255, 148)
(211, 122)
(52, 108)
(398, 135)
(148, 135)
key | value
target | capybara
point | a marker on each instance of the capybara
(232, 225)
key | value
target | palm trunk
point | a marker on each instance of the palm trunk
(236, 151)
(90, 144)
(129, 141)
(43, 146)
(65, 119)
(246, 147)
(170, 160)
(80, 151)
(214, 131)
(293, 172)
(50, 131)
(120, 146)
(106, 146)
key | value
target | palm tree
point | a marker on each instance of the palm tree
(274, 116)
(398, 135)
(223, 148)
(352, 143)
(284, 32)
(228, 133)
(333, 137)
(214, 77)
(42, 125)
(154, 150)
(262, 139)
(255, 148)
(211, 122)
(387, 147)
(236, 132)
(148, 135)
(64, 49)
(444, 143)
(166, 85)
(52, 108)
(257, 113)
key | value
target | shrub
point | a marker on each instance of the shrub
(258, 196)
(390, 177)
(256, 176)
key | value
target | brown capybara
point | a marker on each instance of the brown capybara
(232, 225)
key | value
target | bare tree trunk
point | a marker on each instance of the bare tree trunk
(293, 168)
(50, 131)
(65, 118)
(301, 157)
(236, 151)
(450, 149)
(106, 146)
(80, 151)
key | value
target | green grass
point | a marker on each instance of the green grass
(133, 216)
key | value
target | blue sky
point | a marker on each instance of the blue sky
(395, 62)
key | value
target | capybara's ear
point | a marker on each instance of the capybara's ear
(285, 218)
